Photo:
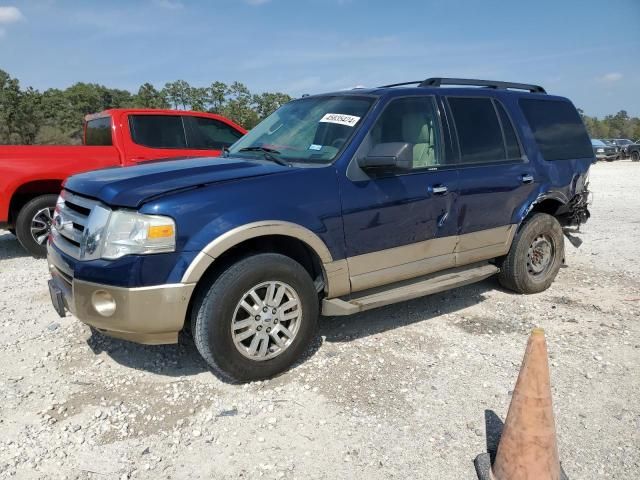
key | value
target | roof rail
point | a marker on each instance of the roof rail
(401, 84)
(438, 82)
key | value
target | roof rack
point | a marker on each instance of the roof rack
(438, 82)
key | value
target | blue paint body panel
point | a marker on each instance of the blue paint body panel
(210, 196)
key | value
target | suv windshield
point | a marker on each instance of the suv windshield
(309, 130)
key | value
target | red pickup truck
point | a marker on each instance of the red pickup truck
(31, 176)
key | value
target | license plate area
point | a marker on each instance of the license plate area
(57, 299)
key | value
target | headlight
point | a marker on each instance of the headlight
(135, 233)
(600, 150)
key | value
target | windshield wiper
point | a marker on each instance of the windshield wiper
(269, 154)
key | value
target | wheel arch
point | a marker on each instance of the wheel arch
(286, 238)
(550, 203)
(28, 191)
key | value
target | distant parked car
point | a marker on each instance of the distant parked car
(633, 151)
(622, 144)
(603, 151)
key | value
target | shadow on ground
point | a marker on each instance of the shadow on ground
(9, 247)
(181, 359)
(373, 322)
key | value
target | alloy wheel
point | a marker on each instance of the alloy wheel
(41, 225)
(266, 320)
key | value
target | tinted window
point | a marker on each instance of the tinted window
(557, 128)
(510, 139)
(157, 131)
(98, 132)
(411, 120)
(478, 130)
(211, 134)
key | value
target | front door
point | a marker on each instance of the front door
(401, 224)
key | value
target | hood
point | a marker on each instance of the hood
(132, 186)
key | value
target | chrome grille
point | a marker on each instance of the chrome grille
(70, 221)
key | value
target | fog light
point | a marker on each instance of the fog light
(103, 303)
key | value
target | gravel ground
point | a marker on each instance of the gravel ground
(401, 392)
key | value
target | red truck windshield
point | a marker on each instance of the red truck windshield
(98, 132)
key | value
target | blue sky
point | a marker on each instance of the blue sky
(588, 50)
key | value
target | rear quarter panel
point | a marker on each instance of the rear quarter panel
(555, 179)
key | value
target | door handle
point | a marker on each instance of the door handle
(439, 189)
(526, 178)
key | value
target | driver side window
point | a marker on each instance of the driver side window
(412, 120)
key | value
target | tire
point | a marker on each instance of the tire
(635, 156)
(34, 215)
(535, 256)
(218, 307)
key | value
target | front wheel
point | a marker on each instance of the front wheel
(34, 224)
(256, 318)
(535, 256)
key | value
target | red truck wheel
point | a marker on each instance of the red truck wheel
(34, 223)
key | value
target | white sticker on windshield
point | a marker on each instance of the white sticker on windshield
(315, 147)
(339, 118)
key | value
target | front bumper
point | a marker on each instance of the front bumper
(149, 315)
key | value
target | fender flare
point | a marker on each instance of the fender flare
(242, 233)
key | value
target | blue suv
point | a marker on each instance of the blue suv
(333, 205)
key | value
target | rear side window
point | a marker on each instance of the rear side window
(158, 131)
(510, 139)
(478, 128)
(98, 132)
(557, 128)
(210, 134)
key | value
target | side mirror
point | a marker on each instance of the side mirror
(396, 155)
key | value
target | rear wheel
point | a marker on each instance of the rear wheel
(635, 156)
(34, 224)
(257, 318)
(535, 256)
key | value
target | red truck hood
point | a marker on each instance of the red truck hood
(133, 186)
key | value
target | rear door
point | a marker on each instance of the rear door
(495, 178)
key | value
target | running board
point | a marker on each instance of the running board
(419, 287)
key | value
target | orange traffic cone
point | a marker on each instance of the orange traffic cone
(528, 449)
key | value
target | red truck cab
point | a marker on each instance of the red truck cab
(32, 176)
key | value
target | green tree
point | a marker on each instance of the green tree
(239, 106)
(267, 103)
(217, 96)
(177, 94)
(149, 97)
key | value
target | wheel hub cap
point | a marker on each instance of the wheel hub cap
(540, 255)
(266, 320)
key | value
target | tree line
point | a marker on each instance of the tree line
(620, 125)
(54, 116)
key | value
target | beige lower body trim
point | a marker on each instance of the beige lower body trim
(337, 278)
(401, 263)
(149, 315)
